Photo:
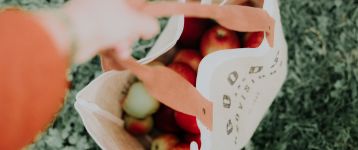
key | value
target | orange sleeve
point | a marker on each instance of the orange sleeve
(32, 79)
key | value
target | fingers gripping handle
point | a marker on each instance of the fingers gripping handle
(234, 17)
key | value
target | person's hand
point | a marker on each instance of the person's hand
(100, 24)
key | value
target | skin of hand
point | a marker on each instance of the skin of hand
(96, 25)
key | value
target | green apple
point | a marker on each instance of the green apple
(139, 103)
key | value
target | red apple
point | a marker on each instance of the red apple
(194, 28)
(165, 121)
(218, 38)
(164, 142)
(185, 71)
(188, 138)
(138, 126)
(253, 39)
(190, 57)
(187, 122)
(182, 146)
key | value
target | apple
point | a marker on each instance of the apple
(187, 122)
(218, 38)
(138, 126)
(165, 121)
(190, 57)
(139, 103)
(185, 71)
(194, 28)
(164, 142)
(188, 138)
(182, 146)
(253, 39)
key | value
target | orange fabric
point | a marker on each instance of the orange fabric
(32, 79)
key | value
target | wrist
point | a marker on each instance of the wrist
(83, 29)
(60, 27)
(57, 29)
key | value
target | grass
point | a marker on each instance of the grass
(317, 107)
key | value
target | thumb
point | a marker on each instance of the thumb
(122, 51)
(147, 27)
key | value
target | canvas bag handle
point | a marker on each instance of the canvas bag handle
(234, 17)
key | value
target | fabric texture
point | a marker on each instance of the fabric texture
(32, 82)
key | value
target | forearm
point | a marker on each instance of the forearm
(32, 71)
(57, 27)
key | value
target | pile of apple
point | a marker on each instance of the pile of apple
(170, 129)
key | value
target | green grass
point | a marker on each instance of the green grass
(318, 105)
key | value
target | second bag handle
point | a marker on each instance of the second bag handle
(233, 17)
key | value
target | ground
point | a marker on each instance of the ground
(317, 107)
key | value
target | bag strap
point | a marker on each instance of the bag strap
(168, 87)
(234, 17)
